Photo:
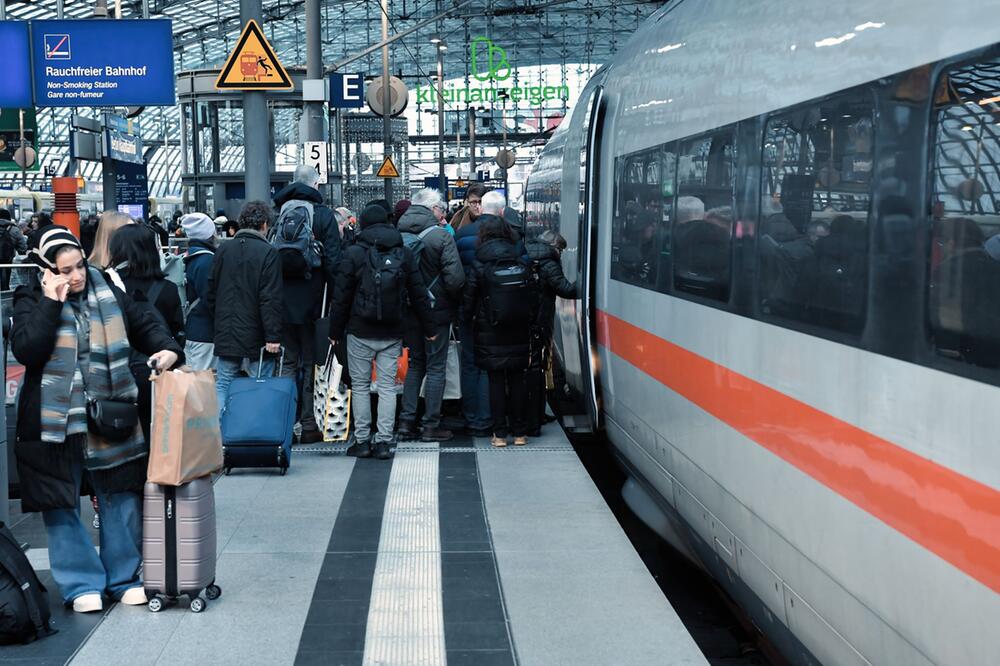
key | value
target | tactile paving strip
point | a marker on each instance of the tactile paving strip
(406, 615)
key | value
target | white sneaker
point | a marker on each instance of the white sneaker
(134, 596)
(88, 603)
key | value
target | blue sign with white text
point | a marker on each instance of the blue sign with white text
(122, 147)
(103, 63)
(15, 89)
(347, 91)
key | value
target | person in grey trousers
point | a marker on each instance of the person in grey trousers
(378, 283)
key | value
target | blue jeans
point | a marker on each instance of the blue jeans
(475, 384)
(76, 566)
(227, 369)
(427, 358)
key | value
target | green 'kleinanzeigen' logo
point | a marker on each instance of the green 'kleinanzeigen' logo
(497, 65)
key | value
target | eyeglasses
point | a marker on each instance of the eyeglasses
(477, 204)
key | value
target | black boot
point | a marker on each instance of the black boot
(383, 450)
(360, 450)
(407, 432)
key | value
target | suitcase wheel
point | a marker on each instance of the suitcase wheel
(198, 605)
(213, 592)
(155, 604)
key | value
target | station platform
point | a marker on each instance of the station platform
(455, 553)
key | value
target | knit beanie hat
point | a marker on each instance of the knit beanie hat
(47, 242)
(373, 214)
(198, 226)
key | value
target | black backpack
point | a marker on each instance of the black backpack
(7, 247)
(381, 296)
(24, 601)
(512, 293)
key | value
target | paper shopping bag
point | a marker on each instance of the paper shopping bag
(331, 400)
(186, 442)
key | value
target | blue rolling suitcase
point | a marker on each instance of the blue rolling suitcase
(258, 420)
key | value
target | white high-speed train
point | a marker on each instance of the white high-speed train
(784, 218)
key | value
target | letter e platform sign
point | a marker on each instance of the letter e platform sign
(252, 65)
(347, 91)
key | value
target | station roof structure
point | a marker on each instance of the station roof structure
(574, 34)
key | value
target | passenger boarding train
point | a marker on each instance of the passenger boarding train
(785, 222)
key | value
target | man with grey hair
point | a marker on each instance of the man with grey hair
(494, 203)
(305, 295)
(435, 251)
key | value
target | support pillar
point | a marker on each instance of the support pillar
(255, 125)
(314, 69)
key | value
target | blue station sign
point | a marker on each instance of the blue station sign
(15, 93)
(347, 91)
(103, 62)
(122, 147)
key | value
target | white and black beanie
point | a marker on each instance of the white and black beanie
(50, 240)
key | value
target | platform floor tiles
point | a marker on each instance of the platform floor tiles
(453, 554)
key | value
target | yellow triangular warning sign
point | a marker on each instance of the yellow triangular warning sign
(388, 169)
(252, 65)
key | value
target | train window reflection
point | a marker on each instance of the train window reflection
(815, 202)
(964, 294)
(703, 222)
(638, 210)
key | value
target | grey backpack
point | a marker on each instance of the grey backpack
(293, 238)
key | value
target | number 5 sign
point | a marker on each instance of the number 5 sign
(316, 157)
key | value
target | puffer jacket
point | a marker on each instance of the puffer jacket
(496, 347)
(303, 298)
(244, 293)
(467, 240)
(545, 259)
(200, 325)
(45, 469)
(440, 264)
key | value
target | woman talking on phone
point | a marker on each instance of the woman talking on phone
(77, 420)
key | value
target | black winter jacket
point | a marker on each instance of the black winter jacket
(343, 317)
(200, 325)
(168, 302)
(45, 468)
(545, 259)
(467, 240)
(497, 348)
(303, 298)
(438, 260)
(244, 292)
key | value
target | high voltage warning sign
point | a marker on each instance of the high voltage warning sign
(252, 65)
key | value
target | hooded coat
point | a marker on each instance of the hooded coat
(496, 347)
(245, 295)
(439, 260)
(344, 317)
(303, 298)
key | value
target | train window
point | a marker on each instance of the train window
(638, 205)
(964, 294)
(703, 222)
(815, 202)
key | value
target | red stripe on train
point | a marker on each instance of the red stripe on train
(951, 515)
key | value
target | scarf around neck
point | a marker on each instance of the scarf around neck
(107, 374)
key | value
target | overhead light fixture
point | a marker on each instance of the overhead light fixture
(442, 46)
(989, 100)
(967, 128)
(436, 39)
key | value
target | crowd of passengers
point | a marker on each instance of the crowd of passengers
(96, 312)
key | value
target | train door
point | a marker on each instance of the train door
(590, 161)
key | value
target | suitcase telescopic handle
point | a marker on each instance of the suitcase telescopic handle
(281, 362)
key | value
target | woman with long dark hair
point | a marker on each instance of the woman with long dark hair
(136, 261)
(74, 331)
(502, 300)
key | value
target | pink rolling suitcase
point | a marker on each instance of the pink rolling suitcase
(178, 543)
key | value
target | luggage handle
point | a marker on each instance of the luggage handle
(281, 362)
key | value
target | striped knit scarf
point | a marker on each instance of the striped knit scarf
(108, 375)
